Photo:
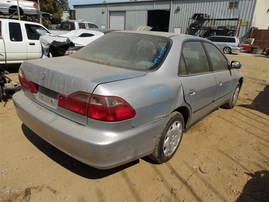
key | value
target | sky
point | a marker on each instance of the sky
(77, 2)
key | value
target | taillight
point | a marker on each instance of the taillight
(76, 102)
(34, 4)
(28, 85)
(109, 108)
(69, 52)
(103, 108)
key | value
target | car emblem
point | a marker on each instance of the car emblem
(43, 77)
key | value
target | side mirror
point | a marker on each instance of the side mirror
(235, 65)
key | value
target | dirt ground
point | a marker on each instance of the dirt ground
(224, 157)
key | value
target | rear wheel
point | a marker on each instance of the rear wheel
(232, 102)
(227, 50)
(13, 10)
(170, 139)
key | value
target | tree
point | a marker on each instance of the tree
(55, 7)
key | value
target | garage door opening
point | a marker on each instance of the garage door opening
(159, 20)
(117, 20)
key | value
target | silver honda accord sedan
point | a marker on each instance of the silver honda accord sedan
(125, 96)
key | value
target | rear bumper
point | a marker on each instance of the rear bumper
(98, 148)
(235, 49)
(30, 11)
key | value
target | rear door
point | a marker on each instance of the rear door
(198, 82)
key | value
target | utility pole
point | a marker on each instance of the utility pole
(39, 12)
(18, 10)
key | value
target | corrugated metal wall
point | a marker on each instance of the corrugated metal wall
(96, 14)
(180, 12)
(135, 19)
(214, 8)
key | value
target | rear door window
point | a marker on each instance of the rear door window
(15, 32)
(195, 58)
(230, 40)
(67, 26)
(82, 25)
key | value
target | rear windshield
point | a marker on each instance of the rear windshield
(67, 26)
(127, 50)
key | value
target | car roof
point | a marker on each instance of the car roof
(222, 36)
(163, 34)
(18, 21)
(78, 21)
(102, 30)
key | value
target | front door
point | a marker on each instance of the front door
(33, 44)
(222, 73)
(15, 44)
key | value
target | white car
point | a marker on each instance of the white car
(83, 37)
(71, 41)
(69, 25)
(26, 7)
(228, 44)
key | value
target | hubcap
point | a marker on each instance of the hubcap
(226, 50)
(172, 138)
(235, 96)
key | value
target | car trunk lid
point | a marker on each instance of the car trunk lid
(66, 75)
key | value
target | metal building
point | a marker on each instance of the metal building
(182, 16)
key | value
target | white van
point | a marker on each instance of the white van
(19, 41)
(228, 44)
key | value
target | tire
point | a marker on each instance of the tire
(170, 139)
(227, 50)
(14, 9)
(232, 102)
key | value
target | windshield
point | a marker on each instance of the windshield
(127, 50)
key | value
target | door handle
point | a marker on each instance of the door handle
(191, 93)
(220, 83)
(31, 43)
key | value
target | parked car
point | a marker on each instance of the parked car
(126, 95)
(66, 44)
(81, 38)
(19, 41)
(8, 7)
(69, 25)
(247, 45)
(228, 44)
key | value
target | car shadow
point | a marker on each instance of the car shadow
(256, 189)
(11, 68)
(68, 162)
(260, 103)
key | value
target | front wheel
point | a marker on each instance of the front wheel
(232, 102)
(170, 139)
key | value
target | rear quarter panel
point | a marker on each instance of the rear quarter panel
(154, 95)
